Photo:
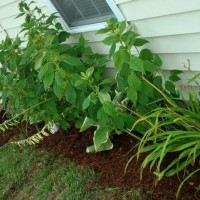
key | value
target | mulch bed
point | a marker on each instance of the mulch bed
(109, 165)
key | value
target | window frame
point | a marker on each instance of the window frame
(90, 27)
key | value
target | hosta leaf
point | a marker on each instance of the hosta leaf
(87, 123)
(101, 136)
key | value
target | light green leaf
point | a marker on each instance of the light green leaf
(109, 108)
(49, 78)
(104, 97)
(132, 95)
(87, 123)
(71, 60)
(136, 64)
(70, 94)
(101, 137)
(39, 60)
(86, 103)
(134, 82)
(58, 90)
(89, 71)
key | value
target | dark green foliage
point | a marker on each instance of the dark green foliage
(46, 67)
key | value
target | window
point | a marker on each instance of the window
(85, 15)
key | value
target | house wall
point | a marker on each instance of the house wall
(171, 26)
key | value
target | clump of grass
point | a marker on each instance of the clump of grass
(32, 174)
(35, 175)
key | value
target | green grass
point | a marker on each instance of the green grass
(29, 174)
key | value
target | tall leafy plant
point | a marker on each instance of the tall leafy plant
(133, 96)
(43, 67)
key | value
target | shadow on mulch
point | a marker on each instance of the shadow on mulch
(109, 166)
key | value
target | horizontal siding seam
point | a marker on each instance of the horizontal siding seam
(8, 4)
(163, 15)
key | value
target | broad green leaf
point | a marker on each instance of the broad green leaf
(71, 60)
(62, 36)
(70, 94)
(118, 122)
(150, 67)
(158, 61)
(39, 60)
(146, 54)
(82, 39)
(170, 87)
(49, 77)
(175, 72)
(101, 136)
(112, 50)
(58, 90)
(136, 64)
(129, 38)
(86, 103)
(87, 123)
(109, 108)
(174, 78)
(122, 26)
(132, 95)
(106, 81)
(120, 57)
(102, 117)
(147, 89)
(134, 82)
(89, 71)
(92, 97)
(90, 149)
(140, 42)
(110, 40)
(58, 78)
(103, 30)
(104, 97)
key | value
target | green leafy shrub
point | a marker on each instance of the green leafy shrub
(133, 96)
(43, 78)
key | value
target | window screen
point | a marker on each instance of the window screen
(83, 12)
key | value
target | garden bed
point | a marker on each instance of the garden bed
(109, 165)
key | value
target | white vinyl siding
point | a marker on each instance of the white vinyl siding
(171, 26)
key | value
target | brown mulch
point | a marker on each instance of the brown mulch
(109, 166)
